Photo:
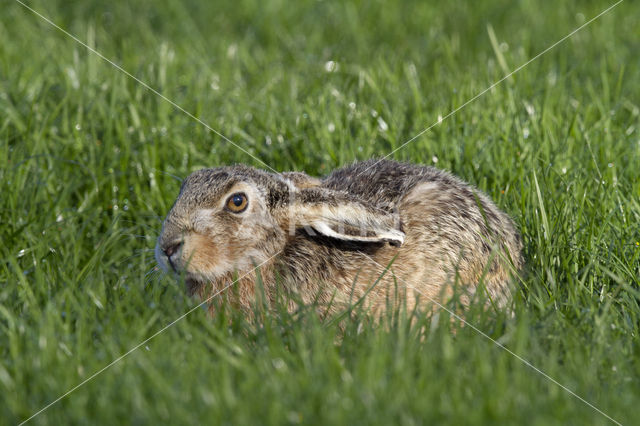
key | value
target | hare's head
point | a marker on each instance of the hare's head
(231, 219)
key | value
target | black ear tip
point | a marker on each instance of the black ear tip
(395, 243)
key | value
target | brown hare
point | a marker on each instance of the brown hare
(418, 230)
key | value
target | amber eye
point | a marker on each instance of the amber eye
(237, 202)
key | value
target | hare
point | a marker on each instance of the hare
(378, 230)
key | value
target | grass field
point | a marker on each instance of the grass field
(90, 161)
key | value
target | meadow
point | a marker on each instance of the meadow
(91, 160)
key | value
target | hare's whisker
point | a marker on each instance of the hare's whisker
(153, 270)
(136, 236)
(154, 230)
(168, 174)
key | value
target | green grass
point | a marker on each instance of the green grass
(88, 166)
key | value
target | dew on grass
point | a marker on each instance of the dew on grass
(352, 105)
(530, 109)
(374, 113)
(215, 82)
(73, 77)
(331, 66)
(78, 127)
(64, 348)
(280, 139)
(434, 159)
(267, 140)
(21, 252)
(439, 118)
(610, 165)
(504, 46)
(382, 125)
(331, 127)
(278, 363)
(564, 170)
(525, 132)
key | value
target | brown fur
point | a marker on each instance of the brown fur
(329, 239)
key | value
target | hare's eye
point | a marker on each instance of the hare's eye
(237, 202)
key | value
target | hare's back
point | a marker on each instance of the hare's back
(427, 198)
(386, 182)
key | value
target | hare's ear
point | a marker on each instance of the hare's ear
(301, 180)
(336, 215)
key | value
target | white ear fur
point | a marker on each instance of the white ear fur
(351, 221)
(299, 180)
(393, 236)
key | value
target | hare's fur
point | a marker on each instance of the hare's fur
(328, 240)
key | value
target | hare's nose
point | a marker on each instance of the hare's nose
(169, 251)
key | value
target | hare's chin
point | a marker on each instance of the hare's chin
(193, 285)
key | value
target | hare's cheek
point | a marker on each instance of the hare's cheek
(202, 255)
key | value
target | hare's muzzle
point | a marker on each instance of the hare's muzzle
(170, 250)
(167, 254)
